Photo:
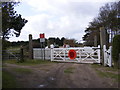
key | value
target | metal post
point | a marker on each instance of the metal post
(41, 51)
(44, 50)
(42, 40)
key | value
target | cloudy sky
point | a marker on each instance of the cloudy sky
(57, 18)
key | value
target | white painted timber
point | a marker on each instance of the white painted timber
(107, 56)
(84, 54)
(38, 53)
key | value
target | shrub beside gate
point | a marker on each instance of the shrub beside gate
(116, 49)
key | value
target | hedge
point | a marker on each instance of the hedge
(116, 47)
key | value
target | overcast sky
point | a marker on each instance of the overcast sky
(57, 18)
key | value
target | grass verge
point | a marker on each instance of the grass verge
(108, 72)
(69, 70)
(23, 70)
(8, 80)
(28, 62)
(105, 68)
(114, 76)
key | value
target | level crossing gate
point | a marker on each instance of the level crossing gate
(80, 55)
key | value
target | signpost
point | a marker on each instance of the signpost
(42, 37)
(42, 42)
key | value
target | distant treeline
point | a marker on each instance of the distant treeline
(52, 40)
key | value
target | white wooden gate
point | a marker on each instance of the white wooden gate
(107, 56)
(83, 54)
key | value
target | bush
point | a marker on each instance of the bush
(116, 48)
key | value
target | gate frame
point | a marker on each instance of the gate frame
(62, 54)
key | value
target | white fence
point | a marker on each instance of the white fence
(39, 53)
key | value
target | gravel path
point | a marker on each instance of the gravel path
(54, 76)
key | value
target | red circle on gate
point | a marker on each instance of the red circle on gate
(72, 54)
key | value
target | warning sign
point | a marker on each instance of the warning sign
(72, 54)
(42, 37)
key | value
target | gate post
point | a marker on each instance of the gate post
(102, 41)
(105, 56)
(30, 47)
(21, 54)
(95, 41)
(99, 54)
(52, 52)
(110, 56)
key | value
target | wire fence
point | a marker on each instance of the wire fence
(10, 54)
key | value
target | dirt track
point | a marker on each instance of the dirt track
(54, 76)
